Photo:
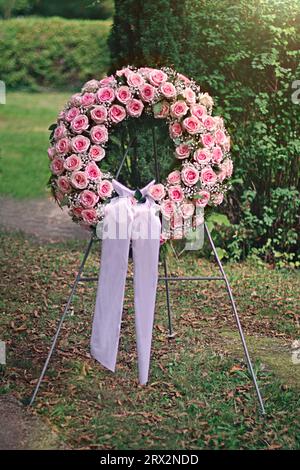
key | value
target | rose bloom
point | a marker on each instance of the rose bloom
(105, 95)
(79, 180)
(187, 210)
(167, 208)
(202, 156)
(157, 191)
(190, 175)
(174, 177)
(80, 123)
(179, 108)
(182, 151)
(57, 166)
(208, 176)
(207, 140)
(92, 171)
(124, 94)
(157, 77)
(88, 199)
(183, 78)
(71, 114)
(90, 86)
(117, 113)
(77, 211)
(168, 90)
(99, 114)
(199, 111)
(206, 100)
(75, 99)
(88, 99)
(217, 154)
(222, 174)
(203, 198)
(60, 132)
(62, 146)
(147, 92)
(135, 108)
(209, 123)
(80, 143)
(189, 95)
(176, 193)
(107, 80)
(229, 167)
(191, 124)
(51, 152)
(63, 184)
(73, 163)
(96, 153)
(99, 134)
(220, 137)
(175, 130)
(89, 216)
(218, 199)
(164, 112)
(105, 189)
(135, 79)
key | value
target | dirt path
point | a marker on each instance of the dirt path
(41, 218)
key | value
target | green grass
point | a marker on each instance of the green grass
(199, 395)
(24, 138)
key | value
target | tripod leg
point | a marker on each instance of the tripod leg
(234, 310)
(171, 333)
(55, 338)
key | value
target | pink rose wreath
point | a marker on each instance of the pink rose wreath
(80, 136)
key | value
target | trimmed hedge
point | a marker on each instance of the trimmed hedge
(52, 53)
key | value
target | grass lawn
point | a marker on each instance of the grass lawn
(199, 395)
(24, 138)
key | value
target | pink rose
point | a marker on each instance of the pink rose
(202, 156)
(80, 144)
(175, 130)
(73, 163)
(217, 154)
(220, 137)
(105, 189)
(91, 85)
(202, 199)
(183, 78)
(176, 193)
(199, 111)
(135, 108)
(107, 80)
(105, 95)
(124, 94)
(168, 90)
(191, 124)
(60, 132)
(51, 152)
(226, 144)
(63, 146)
(88, 99)
(75, 99)
(63, 184)
(187, 210)
(71, 114)
(117, 113)
(79, 180)
(189, 95)
(99, 134)
(164, 112)
(190, 175)
(99, 114)
(207, 140)
(218, 199)
(167, 208)
(89, 216)
(209, 123)
(88, 199)
(57, 166)
(179, 108)
(182, 151)
(80, 123)
(174, 177)
(157, 191)
(92, 171)
(135, 79)
(77, 211)
(208, 176)
(147, 92)
(96, 153)
(222, 174)
(229, 167)
(157, 77)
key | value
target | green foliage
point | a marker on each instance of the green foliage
(11, 7)
(52, 53)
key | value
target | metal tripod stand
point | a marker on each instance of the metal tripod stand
(166, 279)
